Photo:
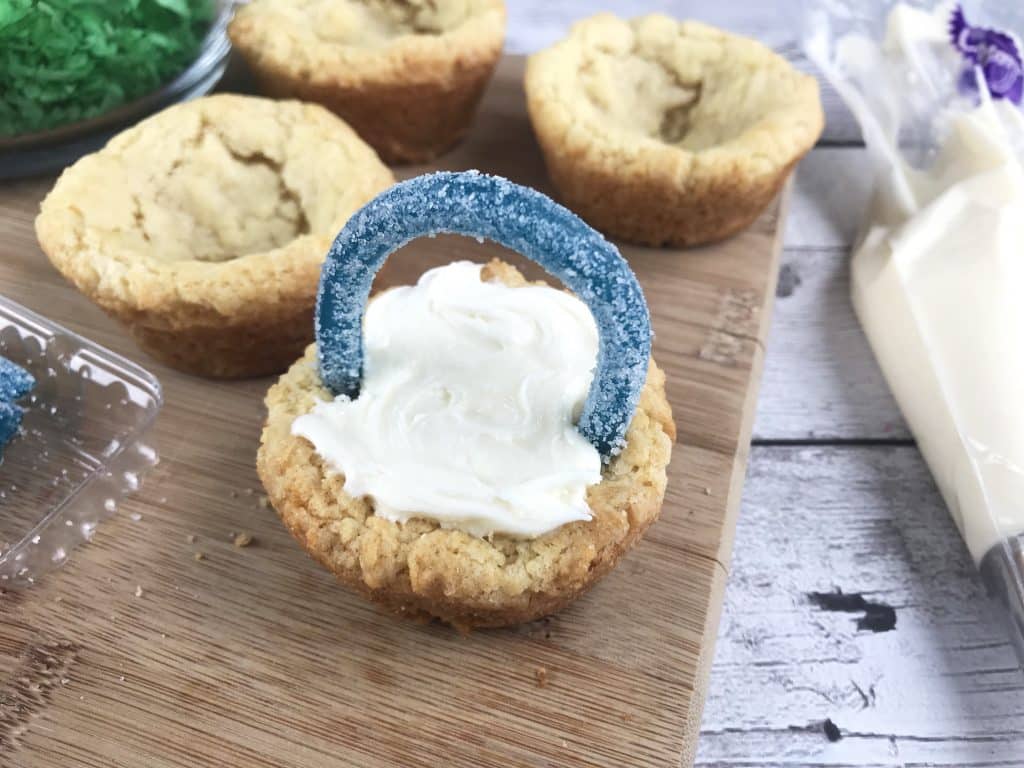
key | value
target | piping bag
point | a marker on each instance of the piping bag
(937, 276)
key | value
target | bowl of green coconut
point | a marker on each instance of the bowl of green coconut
(73, 72)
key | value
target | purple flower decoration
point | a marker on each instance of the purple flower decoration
(996, 53)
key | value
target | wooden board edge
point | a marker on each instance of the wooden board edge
(716, 596)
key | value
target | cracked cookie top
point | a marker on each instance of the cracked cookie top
(357, 41)
(216, 206)
(656, 83)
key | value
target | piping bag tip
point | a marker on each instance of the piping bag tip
(1001, 570)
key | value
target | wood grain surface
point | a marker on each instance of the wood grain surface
(138, 652)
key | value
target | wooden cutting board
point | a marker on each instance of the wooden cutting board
(255, 657)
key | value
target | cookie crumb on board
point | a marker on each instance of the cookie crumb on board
(243, 539)
(541, 676)
(198, 556)
(138, 590)
(191, 538)
(264, 502)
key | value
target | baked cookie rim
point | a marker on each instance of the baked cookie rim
(194, 291)
(755, 150)
(215, 292)
(410, 60)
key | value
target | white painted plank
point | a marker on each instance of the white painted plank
(820, 380)
(942, 688)
(831, 191)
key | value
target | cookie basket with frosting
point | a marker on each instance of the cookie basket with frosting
(473, 448)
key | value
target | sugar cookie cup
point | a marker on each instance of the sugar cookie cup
(661, 132)
(410, 562)
(203, 228)
(407, 76)
(421, 570)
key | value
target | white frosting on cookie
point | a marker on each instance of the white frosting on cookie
(466, 415)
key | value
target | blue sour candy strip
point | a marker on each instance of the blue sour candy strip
(10, 420)
(519, 218)
(15, 381)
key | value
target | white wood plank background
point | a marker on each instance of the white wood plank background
(837, 498)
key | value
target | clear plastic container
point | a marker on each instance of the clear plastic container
(79, 449)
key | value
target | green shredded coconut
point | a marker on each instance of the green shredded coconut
(62, 61)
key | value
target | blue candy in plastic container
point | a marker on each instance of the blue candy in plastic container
(15, 382)
(75, 414)
(10, 420)
(519, 218)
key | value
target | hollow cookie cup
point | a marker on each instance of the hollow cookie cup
(661, 132)
(203, 228)
(407, 76)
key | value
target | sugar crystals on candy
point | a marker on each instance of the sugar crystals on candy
(15, 382)
(10, 420)
(522, 219)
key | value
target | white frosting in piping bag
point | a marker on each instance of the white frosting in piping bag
(938, 279)
(468, 406)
